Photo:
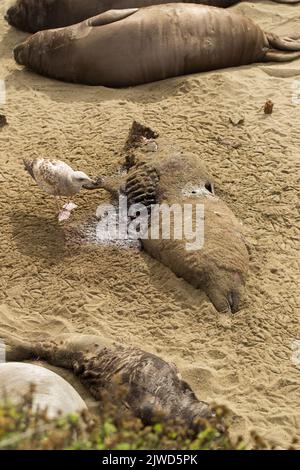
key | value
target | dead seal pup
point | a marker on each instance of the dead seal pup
(164, 179)
(51, 392)
(154, 387)
(36, 15)
(121, 48)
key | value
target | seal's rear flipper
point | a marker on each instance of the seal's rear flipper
(274, 55)
(282, 49)
(17, 351)
(110, 16)
(287, 2)
(136, 134)
(291, 43)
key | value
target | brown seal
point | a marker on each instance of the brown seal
(36, 15)
(154, 388)
(130, 47)
(159, 173)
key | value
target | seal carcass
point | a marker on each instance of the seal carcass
(153, 387)
(36, 15)
(50, 391)
(160, 174)
(129, 47)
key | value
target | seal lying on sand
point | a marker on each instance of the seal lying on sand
(36, 15)
(50, 392)
(158, 173)
(129, 47)
(154, 387)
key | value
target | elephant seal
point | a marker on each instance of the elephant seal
(154, 387)
(36, 15)
(129, 47)
(160, 174)
(51, 392)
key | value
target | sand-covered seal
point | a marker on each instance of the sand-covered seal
(36, 15)
(129, 47)
(51, 392)
(154, 388)
(160, 173)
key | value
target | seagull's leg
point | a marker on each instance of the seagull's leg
(71, 204)
(65, 212)
(62, 212)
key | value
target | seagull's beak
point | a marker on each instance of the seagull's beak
(97, 184)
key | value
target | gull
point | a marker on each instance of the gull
(58, 179)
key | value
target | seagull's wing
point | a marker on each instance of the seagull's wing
(53, 176)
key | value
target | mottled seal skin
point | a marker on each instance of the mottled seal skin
(130, 47)
(36, 15)
(154, 387)
(158, 173)
(50, 392)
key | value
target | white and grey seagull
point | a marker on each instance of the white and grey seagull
(58, 179)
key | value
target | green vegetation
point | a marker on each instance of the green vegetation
(23, 428)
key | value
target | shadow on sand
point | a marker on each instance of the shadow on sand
(38, 237)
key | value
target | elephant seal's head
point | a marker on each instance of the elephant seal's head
(20, 53)
(44, 52)
(30, 15)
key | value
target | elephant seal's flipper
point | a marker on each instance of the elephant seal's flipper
(281, 56)
(289, 43)
(281, 49)
(110, 16)
(137, 133)
(287, 2)
(226, 293)
(17, 350)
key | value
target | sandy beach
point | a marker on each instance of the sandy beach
(248, 362)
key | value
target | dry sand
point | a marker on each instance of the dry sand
(49, 288)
